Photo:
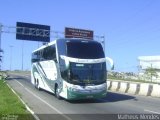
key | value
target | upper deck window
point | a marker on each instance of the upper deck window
(84, 49)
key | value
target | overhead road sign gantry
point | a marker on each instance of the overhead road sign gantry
(32, 32)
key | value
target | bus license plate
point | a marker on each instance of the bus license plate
(89, 96)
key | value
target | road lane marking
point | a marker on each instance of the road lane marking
(34, 115)
(151, 111)
(27, 76)
(45, 102)
(20, 83)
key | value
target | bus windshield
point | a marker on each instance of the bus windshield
(84, 49)
(87, 73)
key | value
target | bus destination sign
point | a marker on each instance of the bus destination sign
(78, 33)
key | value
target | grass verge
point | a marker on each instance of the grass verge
(10, 105)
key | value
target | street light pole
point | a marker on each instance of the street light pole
(104, 42)
(151, 72)
(11, 57)
(0, 34)
(0, 45)
(22, 54)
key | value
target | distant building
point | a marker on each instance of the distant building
(149, 62)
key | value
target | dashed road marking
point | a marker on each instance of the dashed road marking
(151, 111)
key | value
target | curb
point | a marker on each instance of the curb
(123, 87)
(154, 92)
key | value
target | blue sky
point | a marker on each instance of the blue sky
(131, 27)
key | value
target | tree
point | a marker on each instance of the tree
(151, 72)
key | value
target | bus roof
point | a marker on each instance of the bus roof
(53, 42)
(44, 46)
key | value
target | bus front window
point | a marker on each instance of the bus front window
(87, 73)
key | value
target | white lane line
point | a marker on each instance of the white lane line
(151, 111)
(34, 115)
(20, 83)
(27, 76)
(46, 102)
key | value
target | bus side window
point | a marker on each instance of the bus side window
(48, 53)
(53, 53)
(45, 54)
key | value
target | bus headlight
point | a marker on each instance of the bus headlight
(74, 89)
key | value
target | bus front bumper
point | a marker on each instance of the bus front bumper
(76, 95)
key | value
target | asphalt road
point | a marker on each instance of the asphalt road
(113, 106)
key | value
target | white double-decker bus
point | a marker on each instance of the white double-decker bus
(70, 68)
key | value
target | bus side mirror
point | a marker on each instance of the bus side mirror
(55, 60)
(111, 62)
(112, 68)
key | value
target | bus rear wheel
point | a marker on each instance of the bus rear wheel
(57, 92)
(37, 85)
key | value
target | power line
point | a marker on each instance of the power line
(38, 33)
